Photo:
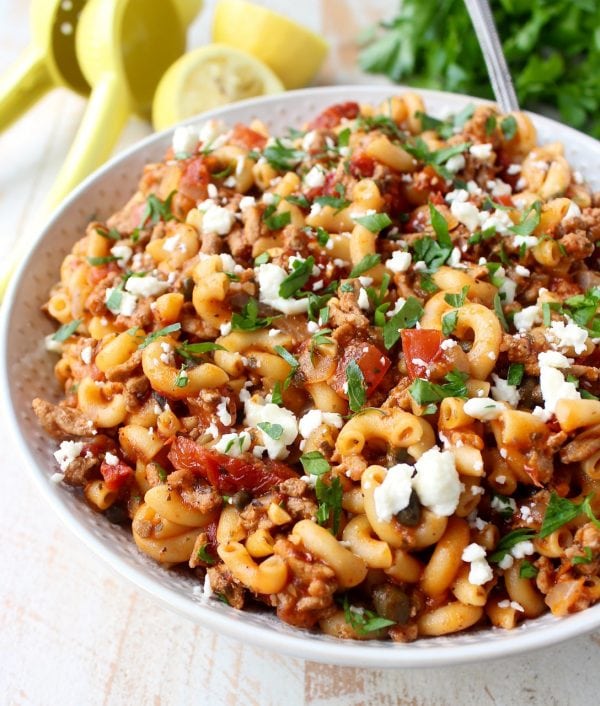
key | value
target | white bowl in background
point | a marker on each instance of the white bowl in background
(27, 371)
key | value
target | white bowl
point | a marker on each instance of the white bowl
(27, 372)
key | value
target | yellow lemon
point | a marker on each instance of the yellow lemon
(206, 78)
(293, 52)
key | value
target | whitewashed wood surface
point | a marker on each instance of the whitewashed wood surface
(74, 634)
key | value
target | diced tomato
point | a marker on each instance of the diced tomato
(505, 200)
(99, 272)
(194, 179)
(226, 473)
(437, 198)
(116, 476)
(333, 115)
(372, 362)
(361, 165)
(421, 349)
(243, 136)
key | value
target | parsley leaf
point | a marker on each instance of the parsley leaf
(365, 264)
(337, 202)
(440, 226)
(374, 221)
(431, 252)
(298, 277)
(515, 374)
(67, 330)
(499, 311)
(314, 463)
(262, 259)
(282, 157)
(530, 220)
(355, 379)
(449, 322)
(362, 620)
(278, 220)
(508, 542)
(157, 210)
(509, 127)
(276, 397)
(151, 337)
(182, 378)
(290, 360)
(527, 570)
(425, 392)
(407, 317)
(436, 159)
(457, 300)
(329, 496)
(560, 511)
(273, 430)
(586, 558)
(112, 234)
(248, 319)
(298, 200)
(192, 351)
(205, 556)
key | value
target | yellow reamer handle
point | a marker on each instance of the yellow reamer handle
(105, 116)
(22, 85)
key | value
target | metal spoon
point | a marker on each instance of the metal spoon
(487, 35)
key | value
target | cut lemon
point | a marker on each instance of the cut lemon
(293, 52)
(206, 78)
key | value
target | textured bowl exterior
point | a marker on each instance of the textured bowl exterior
(26, 371)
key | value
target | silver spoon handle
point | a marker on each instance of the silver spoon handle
(487, 35)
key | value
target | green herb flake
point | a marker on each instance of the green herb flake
(499, 312)
(507, 542)
(151, 337)
(509, 127)
(449, 322)
(374, 221)
(205, 556)
(262, 259)
(298, 277)
(273, 430)
(67, 330)
(291, 361)
(364, 621)
(182, 378)
(329, 496)
(193, 351)
(585, 558)
(157, 210)
(276, 397)
(276, 221)
(530, 220)
(368, 262)
(440, 226)
(249, 320)
(112, 234)
(425, 392)
(314, 463)
(515, 374)
(407, 317)
(527, 570)
(457, 300)
(357, 395)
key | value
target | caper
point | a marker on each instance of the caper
(117, 515)
(392, 603)
(187, 289)
(240, 499)
(411, 514)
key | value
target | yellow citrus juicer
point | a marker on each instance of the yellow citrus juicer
(47, 63)
(123, 48)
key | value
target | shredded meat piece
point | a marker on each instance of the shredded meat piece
(293, 487)
(61, 422)
(308, 597)
(577, 245)
(79, 470)
(142, 316)
(211, 244)
(295, 239)
(582, 447)
(254, 516)
(129, 217)
(345, 311)
(545, 577)
(123, 371)
(404, 633)
(241, 240)
(194, 491)
(301, 508)
(223, 583)
(191, 323)
(586, 539)
(524, 348)
(135, 390)
(590, 219)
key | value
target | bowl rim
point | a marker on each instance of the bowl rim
(423, 653)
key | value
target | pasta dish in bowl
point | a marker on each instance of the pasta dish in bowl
(341, 370)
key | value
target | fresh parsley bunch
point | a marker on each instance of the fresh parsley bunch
(552, 48)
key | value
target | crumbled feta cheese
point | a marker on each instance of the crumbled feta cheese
(223, 413)
(233, 444)
(553, 359)
(363, 299)
(315, 177)
(482, 151)
(185, 140)
(455, 257)
(257, 413)
(247, 202)
(457, 195)
(309, 140)
(225, 329)
(171, 243)
(569, 335)
(448, 343)
(213, 132)
(465, 212)
(506, 562)
(483, 408)
(522, 549)
(503, 392)
(313, 419)
(127, 303)
(123, 253)
(111, 459)
(529, 241)
(480, 571)
(455, 163)
(553, 384)
(525, 319)
(394, 493)
(499, 187)
(67, 452)
(270, 277)
(503, 505)
(57, 477)
(508, 288)
(212, 191)
(436, 481)
(499, 220)
(217, 219)
(312, 326)
(147, 286)
(51, 345)
(513, 169)
(86, 355)
(572, 212)
(399, 262)
(398, 304)
(522, 271)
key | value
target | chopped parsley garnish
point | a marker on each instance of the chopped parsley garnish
(248, 319)
(365, 264)
(322, 236)
(431, 252)
(182, 378)
(482, 236)
(157, 210)
(338, 202)
(204, 555)
(290, 360)
(192, 351)
(425, 392)
(362, 620)
(97, 261)
(151, 337)
(162, 472)
(499, 311)
(440, 226)
(273, 430)
(298, 277)
(508, 542)
(374, 221)
(278, 220)
(427, 284)
(560, 511)
(582, 308)
(113, 303)
(491, 123)
(436, 159)
(447, 128)
(449, 322)
(357, 394)
(112, 234)
(530, 220)
(585, 558)
(320, 338)
(329, 496)
(457, 300)
(67, 330)
(343, 138)
(282, 157)
(379, 122)
(223, 173)
(314, 463)
(509, 127)
(276, 397)
(527, 570)
(298, 200)
(515, 374)
(262, 259)
(407, 317)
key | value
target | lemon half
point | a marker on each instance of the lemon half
(206, 78)
(293, 52)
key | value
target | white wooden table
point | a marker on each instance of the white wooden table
(74, 634)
